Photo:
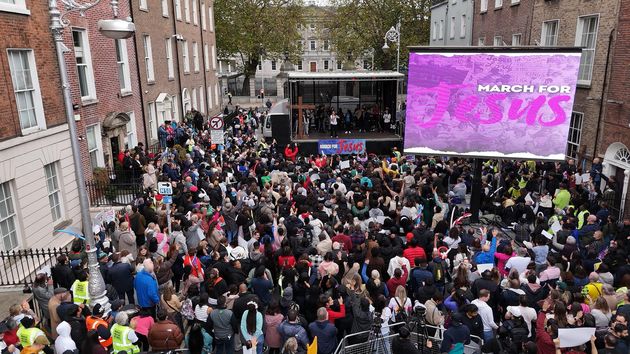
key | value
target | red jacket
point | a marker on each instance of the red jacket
(290, 154)
(543, 340)
(393, 282)
(412, 253)
(344, 240)
(333, 315)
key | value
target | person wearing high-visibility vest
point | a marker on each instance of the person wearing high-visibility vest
(581, 214)
(27, 333)
(96, 321)
(80, 294)
(123, 336)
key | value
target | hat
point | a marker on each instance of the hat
(102, 255)
(60, 290)
(41, 340)
(194, 189)
(515, 311)
(336, 245)
(97, 310)
(3, 327)
(571, 240)
(561, 285)
(27, 321)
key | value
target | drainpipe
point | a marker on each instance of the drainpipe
(604, 86)
(203, 54)
(179, 74)
(144, 120)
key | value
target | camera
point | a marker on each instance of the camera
(419, 311)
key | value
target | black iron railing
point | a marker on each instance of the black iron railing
(19, 267)
(118, 193)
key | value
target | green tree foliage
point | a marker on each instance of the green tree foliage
(359, 28)
(251, 29)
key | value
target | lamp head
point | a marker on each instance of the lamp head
(385, 46)
(116, 28)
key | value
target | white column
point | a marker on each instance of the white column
(624, 192)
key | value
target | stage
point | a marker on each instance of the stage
(375, 142)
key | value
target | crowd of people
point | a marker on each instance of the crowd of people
(268, 249)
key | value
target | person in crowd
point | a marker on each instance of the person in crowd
(146, 287)
(325, 332)
(165, 335)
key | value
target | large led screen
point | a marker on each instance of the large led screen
(482, 104)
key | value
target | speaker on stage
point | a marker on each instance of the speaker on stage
(281, 129)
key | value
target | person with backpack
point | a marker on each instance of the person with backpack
(513, 331)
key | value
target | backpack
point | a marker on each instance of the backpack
(438, 272)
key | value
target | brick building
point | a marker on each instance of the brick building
(37, 185)
(103, 77)
(176, 50)
(502, 22)
(614, 139)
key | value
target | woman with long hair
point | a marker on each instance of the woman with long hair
(273, 318)
(290, 346)
(92, 345)
(400, 304)
(251, 328)
(601, 312)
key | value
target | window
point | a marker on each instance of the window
(339, 65)
(586, 37)
(313, 45)
(28, 97)
(54, 195)
(123, 65)
(326, 44)
(516, 40)
(148, 58)
(209, 98)
(462, 27)
(274, 65)
(575, 134)
(165, 8)
(299, 65)
(185, 56)
(95, 145)
(8, 230)
(498, 41)
(435, 30)
(152, 123)
(211, 17)
(213, 58)
(174, 108)
(366, 65)
(83, 57)
(550, 33)
(169, 57)
(202, 107)
(216, 94)
(441, 30)
(326, 67)
(131, 140)
(498, 4)
(203, 15)
(452, 29)
(143, 5)
(15, 6)
(481, 41)
(187, 10)
(196, 57)
(194, 99)
(206, 60)
(194, 12)
(312, 26)
(178, 9)
(483, 6)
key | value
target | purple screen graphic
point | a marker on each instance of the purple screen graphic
(490, 105)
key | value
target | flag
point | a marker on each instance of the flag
(312, 348)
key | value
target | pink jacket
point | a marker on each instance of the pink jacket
(272, 337)
(502, 260)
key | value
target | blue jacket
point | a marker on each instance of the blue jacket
(454, 339)
(419, 275)
(326, 334)
(288, 330)
(487, 257)
(146, 289)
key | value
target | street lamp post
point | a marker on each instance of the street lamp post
(393, 35)
(117, 29)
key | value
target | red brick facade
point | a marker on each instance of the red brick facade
(108, 93)
(30, 32)
(505, 21)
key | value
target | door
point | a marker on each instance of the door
(313, 65)
(619, 179)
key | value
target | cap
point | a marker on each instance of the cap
(60, 290)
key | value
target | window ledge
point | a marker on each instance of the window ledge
(16, 9)
(126, 93)
(498, 8)
(171, 79)
(584, 85)
(164, 16)
(146, 9)
(88, 101)
(515, 3)
(483, 12)
(151, 82)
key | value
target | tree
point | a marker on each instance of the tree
(252, 29)
(359, 28)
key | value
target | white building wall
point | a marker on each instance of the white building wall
(22, 161)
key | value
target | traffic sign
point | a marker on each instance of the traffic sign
(165, 188)
(167, 199)
(217, 137)
(216, 123)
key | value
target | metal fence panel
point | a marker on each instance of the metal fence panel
(20, 267)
